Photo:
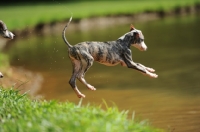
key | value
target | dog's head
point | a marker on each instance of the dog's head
(138, 41)
(136, 38)
(4, 31)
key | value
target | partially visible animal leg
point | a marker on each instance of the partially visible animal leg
(76, 71)
(86, 61)
(147, 68)
(130, 64)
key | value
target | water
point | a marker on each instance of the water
(172, 101)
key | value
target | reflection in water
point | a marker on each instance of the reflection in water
(170, 102)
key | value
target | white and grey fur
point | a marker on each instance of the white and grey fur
(110, 53)
(4, 32)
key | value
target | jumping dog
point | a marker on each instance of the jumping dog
(110, 53)
(6, 34)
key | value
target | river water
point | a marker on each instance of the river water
(171, 102)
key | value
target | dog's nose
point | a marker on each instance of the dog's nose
(1, 75)
(11, 35)
(143, 46)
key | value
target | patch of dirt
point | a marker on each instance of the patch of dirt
(23, 80)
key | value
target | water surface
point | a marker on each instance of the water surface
(172, 101)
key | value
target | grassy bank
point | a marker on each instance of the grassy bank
(18, 114)
(29, 15)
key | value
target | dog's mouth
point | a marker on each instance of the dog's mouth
(142, 49)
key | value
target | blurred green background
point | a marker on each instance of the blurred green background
(23, 14)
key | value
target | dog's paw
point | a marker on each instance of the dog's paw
(150, 69)
(80, 95)
(153, 75)
(91, 87)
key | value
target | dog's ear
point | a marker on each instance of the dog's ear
(136, 34)
(132, 27)
(2, 25)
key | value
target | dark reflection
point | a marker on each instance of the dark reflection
(171, 101)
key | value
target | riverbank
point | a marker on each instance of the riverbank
(51, 18)
(19, 78)
(19, 113)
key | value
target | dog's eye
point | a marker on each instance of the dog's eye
(139, 40)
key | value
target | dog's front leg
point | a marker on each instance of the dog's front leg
(141, 68)
(127, 58)
(147, 68)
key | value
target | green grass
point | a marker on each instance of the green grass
(29, 15)
(18, 113)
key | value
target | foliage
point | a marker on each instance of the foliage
(28, 15)
(19, 113)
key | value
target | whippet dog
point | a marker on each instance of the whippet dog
(110, 53)
(4, 32)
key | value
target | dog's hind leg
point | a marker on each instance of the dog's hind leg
(86, 61)
(76, 64)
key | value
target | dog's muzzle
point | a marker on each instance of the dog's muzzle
(1, 75)
(142, 46)
(7, 34)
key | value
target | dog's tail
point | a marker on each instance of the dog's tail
(63, 34)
